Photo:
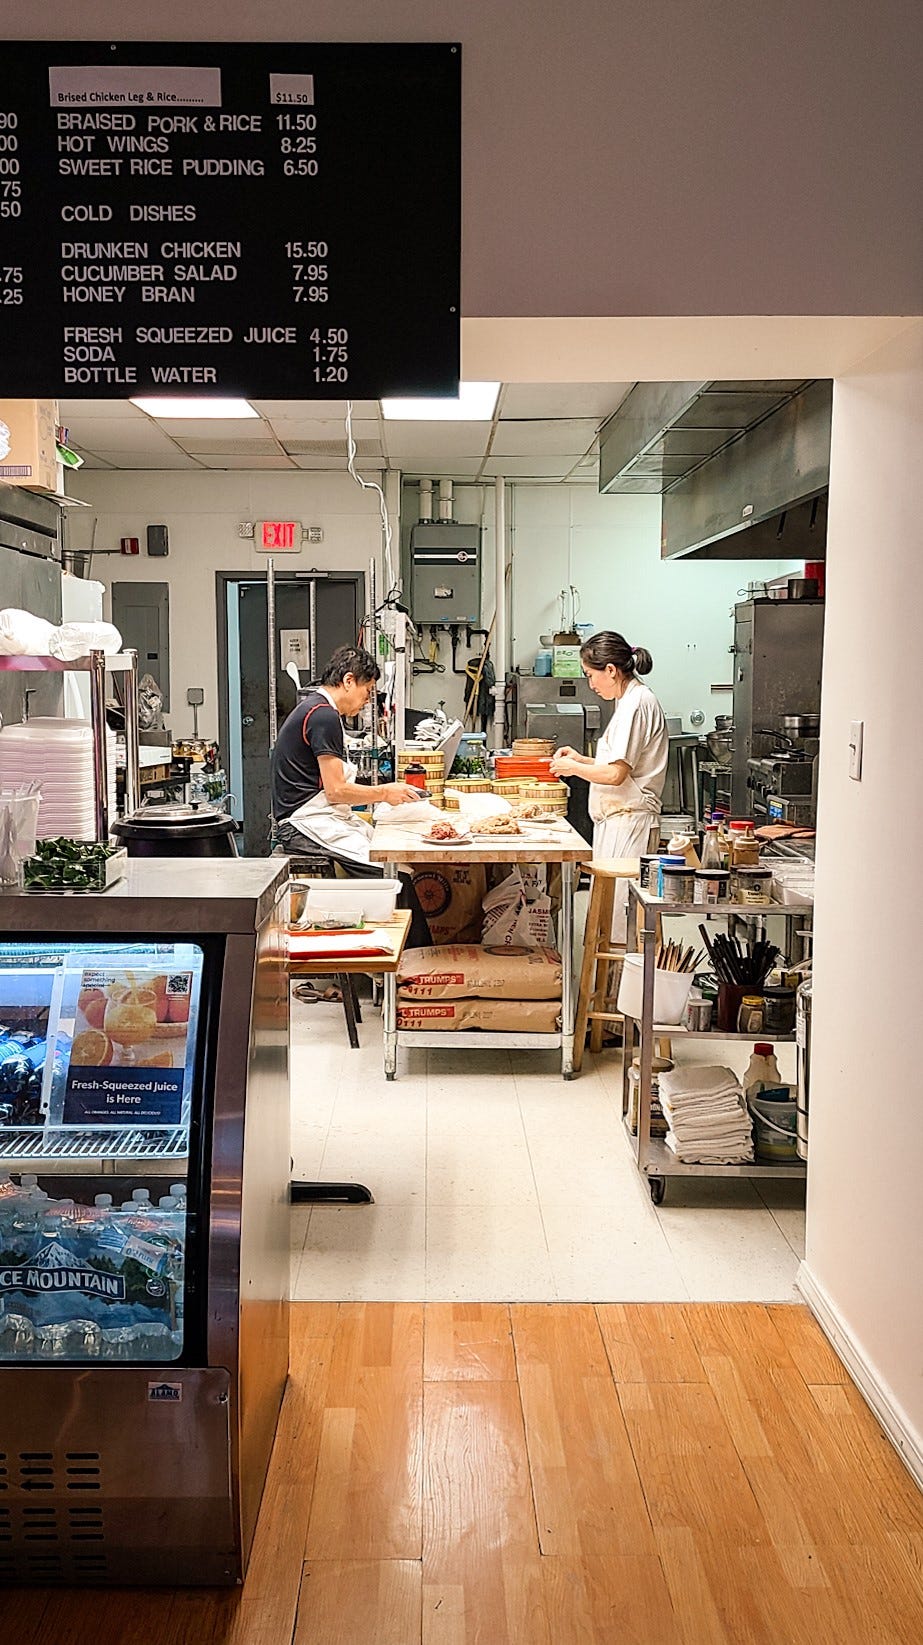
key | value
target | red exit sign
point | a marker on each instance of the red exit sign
(279, 536)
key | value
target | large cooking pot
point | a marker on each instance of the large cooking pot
(178, 831)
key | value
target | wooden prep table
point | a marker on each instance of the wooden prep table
(561, 846)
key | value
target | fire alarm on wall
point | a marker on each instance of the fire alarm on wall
(129, 545)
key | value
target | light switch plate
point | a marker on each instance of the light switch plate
(856, 732)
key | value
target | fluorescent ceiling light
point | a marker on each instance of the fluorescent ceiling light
(196, 405)
(474, 403)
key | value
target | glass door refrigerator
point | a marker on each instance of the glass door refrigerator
(143, 1248)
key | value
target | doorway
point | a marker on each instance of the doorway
(314, 613)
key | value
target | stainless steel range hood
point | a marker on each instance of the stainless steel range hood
(742, 467)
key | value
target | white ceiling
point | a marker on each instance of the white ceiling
(540, 431)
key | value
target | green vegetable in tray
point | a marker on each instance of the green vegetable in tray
(70, 865)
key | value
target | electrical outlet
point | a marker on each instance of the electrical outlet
(856, 738)
(245, 529)
(315, 533)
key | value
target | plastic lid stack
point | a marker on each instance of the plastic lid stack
(57, 756)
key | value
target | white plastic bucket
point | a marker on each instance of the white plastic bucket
(774, 1129)
(671, 991)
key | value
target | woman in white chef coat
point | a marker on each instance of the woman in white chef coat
(627, 773)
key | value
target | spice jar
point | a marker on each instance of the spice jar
(779, 1010)
(750, 1015)
(752, 886)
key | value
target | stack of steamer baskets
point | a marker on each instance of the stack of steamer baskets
(433, 763)
(525, 774)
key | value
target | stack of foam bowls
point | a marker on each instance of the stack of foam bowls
(57, 756)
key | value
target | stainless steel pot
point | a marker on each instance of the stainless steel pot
(801, 725)
(721, 746)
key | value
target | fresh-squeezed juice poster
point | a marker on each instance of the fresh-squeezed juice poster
(130, 1048)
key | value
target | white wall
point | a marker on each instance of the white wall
(609, 548)
(725, 157)
(865, 1211)
(202, 512)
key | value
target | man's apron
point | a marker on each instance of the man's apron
(336, 828)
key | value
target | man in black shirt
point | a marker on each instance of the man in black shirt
(314, 784)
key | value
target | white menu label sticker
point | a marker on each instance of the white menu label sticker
(291, 88)
(152, 87)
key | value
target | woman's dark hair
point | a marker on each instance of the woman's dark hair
(602, 649)
(349, 659)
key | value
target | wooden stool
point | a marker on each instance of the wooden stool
(600, 956)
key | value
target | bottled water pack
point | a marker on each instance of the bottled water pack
(90, 1281)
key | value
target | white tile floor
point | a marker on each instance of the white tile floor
(496, 1181)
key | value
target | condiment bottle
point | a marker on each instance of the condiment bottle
(762, 1071)
(711, 851)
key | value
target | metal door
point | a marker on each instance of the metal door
(141, 613)
(336, 617)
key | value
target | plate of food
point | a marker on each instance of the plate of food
(447, 833)
(503, 824)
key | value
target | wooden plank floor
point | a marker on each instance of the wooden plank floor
(553, 1474)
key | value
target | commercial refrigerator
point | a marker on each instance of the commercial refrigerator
(144, 1166)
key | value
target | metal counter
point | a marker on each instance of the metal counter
(151, 1472)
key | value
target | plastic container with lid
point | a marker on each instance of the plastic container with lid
(750, 1014)
(779, 1010)
(648, 874)
(656, 874)
(751, 885)
(710, 887)
(677, 882)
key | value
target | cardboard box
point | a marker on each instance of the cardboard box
(565, 662)
(28, 450)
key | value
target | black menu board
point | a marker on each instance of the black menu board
(277, 221)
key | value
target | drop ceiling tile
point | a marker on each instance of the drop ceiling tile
(121, 434)
(317, 428)
(213, 428)
(248, 462)
(446, 468)
(529, 468)
(424, 443)
(543, 437)
(296, 410)
(312, 460)
(91, 461)
(171, 458)
(596, 400)
(79, 411)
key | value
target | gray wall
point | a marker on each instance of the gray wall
(725, 157)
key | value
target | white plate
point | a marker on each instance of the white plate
(461, 839)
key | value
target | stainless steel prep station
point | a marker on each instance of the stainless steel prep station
(144, 1312)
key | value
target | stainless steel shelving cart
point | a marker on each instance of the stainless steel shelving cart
(98, 665)
(654, 1159)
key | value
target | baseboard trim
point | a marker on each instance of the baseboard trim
(907, 1442)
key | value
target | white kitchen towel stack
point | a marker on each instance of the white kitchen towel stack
(57, 756)
(707, 1116)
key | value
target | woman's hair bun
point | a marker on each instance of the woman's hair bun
(644, 662)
